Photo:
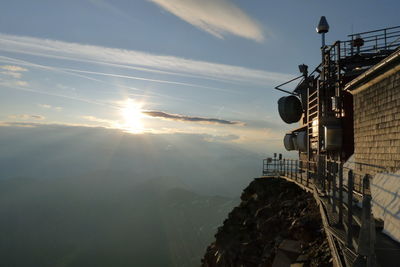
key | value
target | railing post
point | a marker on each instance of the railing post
(334, 173)
(296, 169)
(350, 186)
(321, 172)
(328, 176)
(366, 185)
(366, 239)
(385, 39)
(291, 169)
(341, 193)
(287, 167)
(284, 167)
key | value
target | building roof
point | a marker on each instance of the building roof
(386, 67)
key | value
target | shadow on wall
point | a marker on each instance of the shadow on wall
(385, 190)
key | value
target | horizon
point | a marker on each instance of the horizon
(133, 133)
(159, 67)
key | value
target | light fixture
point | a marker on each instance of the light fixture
(322, 28)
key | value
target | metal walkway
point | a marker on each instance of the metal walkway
(354, 236)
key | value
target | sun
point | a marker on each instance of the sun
(132, 115)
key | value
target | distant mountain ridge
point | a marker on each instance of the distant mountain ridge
(73, 222)
(52, 151)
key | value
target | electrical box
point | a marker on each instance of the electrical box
(333, 137)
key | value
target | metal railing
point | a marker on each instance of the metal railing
(381, 41)
(344, 187)
(376, 41)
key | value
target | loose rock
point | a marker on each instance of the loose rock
(276, 223)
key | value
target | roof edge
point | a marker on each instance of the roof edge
(378, 72)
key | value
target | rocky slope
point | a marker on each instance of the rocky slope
(276, 224)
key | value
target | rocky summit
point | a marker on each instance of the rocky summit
(276, 224)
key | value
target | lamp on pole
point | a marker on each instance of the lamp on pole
(322, 28)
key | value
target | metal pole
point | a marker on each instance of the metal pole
(385, 39)
(341, 193)
(291, 169)
(334, 173)
(350, 187)
(328, 176)
(285, 166)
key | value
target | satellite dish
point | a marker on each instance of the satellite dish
(290, 109)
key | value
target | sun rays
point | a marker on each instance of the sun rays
(131, 112)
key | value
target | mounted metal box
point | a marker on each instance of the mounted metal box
(301, 141)
(333, 137)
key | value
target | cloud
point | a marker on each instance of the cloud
(16, 84)
(133, 59)
(217, 17)
(21, 83)
(27, 117)
(13, 74)
(18, 124)
(221, 138)
(178, 117)
(105, 5)
(101, 122)
(13, 68)
(46, 106)
(13, 71)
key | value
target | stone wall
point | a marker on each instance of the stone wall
(377, 124)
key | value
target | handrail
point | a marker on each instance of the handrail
(327, 178)
(389, 28)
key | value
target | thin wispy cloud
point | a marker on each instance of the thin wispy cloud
(184, 118)
(13, 68)
(15, 75)
(101, 122)
(217, 17)
(68, 97)
(105, 5)
(13, 83)
(12, 71)
(77, 73)
(46, 106)
(101, 55)
(26, 117)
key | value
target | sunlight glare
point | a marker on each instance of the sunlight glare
(132, 115)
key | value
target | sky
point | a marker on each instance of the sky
(167, 66)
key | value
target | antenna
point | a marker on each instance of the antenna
(322, 28)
